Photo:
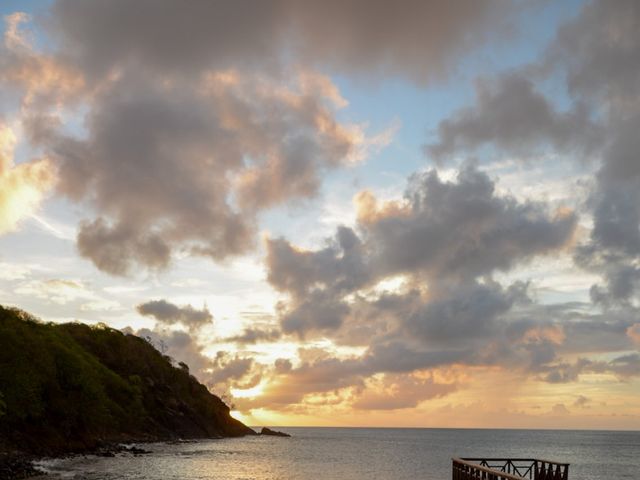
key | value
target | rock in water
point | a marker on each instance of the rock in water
(274, 433)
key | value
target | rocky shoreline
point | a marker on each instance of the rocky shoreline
(15, 465)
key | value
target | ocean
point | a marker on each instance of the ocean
(361, 454)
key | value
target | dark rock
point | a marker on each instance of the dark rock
(274, 433)
(105, 453)
(16, 466)
(135, 450)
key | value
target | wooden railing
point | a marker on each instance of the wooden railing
(508, 469)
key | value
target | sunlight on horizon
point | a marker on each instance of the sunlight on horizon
(342, 213)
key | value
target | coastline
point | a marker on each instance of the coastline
(357, 454)
(20, 465)
(17, 465)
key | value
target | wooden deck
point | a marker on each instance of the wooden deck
(508, 469)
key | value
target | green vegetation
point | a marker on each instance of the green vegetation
(72, 387)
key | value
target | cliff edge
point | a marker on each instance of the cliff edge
(73, 387)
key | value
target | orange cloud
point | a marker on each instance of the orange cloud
(41, 77)
(22, 186)
(369, 211)
(633, 332)
(552, 333)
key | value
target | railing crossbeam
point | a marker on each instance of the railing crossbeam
(508, 469)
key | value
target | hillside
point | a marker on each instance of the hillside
(72, 387)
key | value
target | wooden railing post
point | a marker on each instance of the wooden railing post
(508, 469)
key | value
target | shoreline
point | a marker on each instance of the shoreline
(20, 465)
(17, 465)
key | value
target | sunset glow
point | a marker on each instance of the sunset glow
(336, 218)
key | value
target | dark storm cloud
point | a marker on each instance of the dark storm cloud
(168, 313)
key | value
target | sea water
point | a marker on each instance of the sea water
(362, 453)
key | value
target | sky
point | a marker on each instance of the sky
(349, 213)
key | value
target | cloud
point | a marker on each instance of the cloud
(22, 186)
(634, 332)
(320, 311)
(511, 115)
(418, 40)
(167, 313)
(600, 50)
(219, 373)
(38, 79)
(339, 264)
(250, 336)
(65, 291)
(582, 402)
(442, 236)
(196, 121)
(225, 369)
(440, 247)
(401, 391)
(623, 367)
(190, 135)
(393, 369)
(597, 54)
(15, 271)
(613, 249)
(185, 168)
(172, 161)
(462, 228)
(181, 346)
(468, 312)
(559, 409)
